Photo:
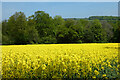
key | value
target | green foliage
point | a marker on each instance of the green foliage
(31, 32)
(48, 40)
(98, 32)
(107, 30)
(41, 28)
(88, 34)
(70, 32)
(0, 33)
(103, 17)
(17, 26)
(58, 20)
(43, 23)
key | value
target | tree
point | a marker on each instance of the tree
(58, 22)
(70, 32)
(99, 34)
(44, 24)
(31, 32)
(88, 34)
(0, 33)
(5, 34)
(108, 29)
(117, 33)
(42, 28)
(17, 26)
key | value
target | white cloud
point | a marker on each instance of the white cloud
(60, 0)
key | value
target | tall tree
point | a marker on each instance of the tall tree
(70, 32)
(45, 26)
(5, 33)
(99, 34)
(31, 32)
(108, 29)
(0, 33)
(58, 22)
(17, 26)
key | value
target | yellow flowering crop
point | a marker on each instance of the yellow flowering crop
(60, 61)
(104, 75)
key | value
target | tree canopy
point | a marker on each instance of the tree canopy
(41, 28)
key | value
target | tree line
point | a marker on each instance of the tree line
(103, 17)
(41, 28)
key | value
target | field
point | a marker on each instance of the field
(60, 61)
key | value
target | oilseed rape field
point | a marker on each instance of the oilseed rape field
(60, 61)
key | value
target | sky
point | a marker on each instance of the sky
(60, 0)
(64, 9)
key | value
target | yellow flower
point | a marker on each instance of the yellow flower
(57, 59)
(104, 75)
(44, 67)
(90, 69)
(96, 72)
(102, 68)
(109, 65)
(94, 77)
(64, 70)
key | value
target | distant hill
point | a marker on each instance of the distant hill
(96, 17)
(103, 17)
(75, 18)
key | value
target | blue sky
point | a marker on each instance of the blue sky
(59, 0)
(64, 9)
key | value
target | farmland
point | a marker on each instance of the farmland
(60, 61)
